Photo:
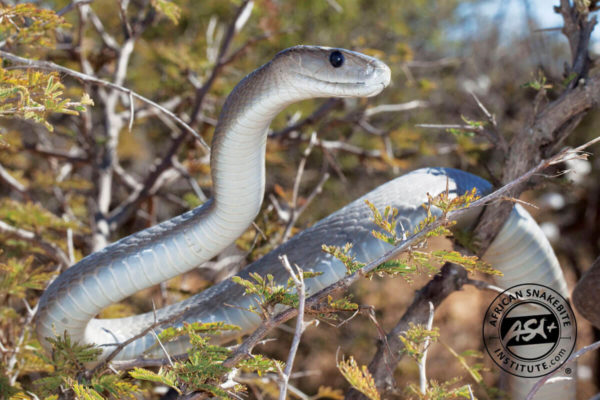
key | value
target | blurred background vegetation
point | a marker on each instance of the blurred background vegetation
(53, 155)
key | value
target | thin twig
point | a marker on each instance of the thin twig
(317, 115)
(47, 65)
(72, 5)
(410, 105)
(422, 362)
(300, 290)
(482, 285)
(12, 362)
(462, 127)
(493, 136)
(70, 246)
(294, 214)
(11, 181)
(106, 38)
(315, 192)
(68, 156)
(50, 249)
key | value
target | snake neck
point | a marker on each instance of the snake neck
(238, 149)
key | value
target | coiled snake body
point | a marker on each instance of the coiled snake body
(151, 256)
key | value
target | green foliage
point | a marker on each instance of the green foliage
(261, 365)
(68, 360)
(200, 328)
(467, 133)
(359, 378)
(203, 370)
(393, 268)
(164, 377)
(34, 95)
(328, 311)
(343, 304)
(540, 82)
(415, 339)
(343, 254)
(461, 132)
(169, 9)
(470, 263)
(387, 222)
(6, 389)
(268, 292)
(421, 260)
(473, 370)
(46, 226)
(33, 217)
(19, 275)
(85, 393)
(104, 386)
(25, 24)
(416, 260)
(30, 94)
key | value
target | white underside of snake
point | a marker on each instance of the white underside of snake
(173, 247)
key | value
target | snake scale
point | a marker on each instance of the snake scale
(175, 246)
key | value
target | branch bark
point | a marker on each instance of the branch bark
(550, 126)
(51, 250)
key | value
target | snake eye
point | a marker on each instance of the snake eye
(336, 59)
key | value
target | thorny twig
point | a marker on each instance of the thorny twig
(493, 136)
(294, 210)
(105, 164)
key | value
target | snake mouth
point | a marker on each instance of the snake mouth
(373, 86)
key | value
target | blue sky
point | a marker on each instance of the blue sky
(514, 14)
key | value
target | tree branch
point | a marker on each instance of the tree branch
(51, 250)
(47, 65)
(11, 181)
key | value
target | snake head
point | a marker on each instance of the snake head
(315, 71)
